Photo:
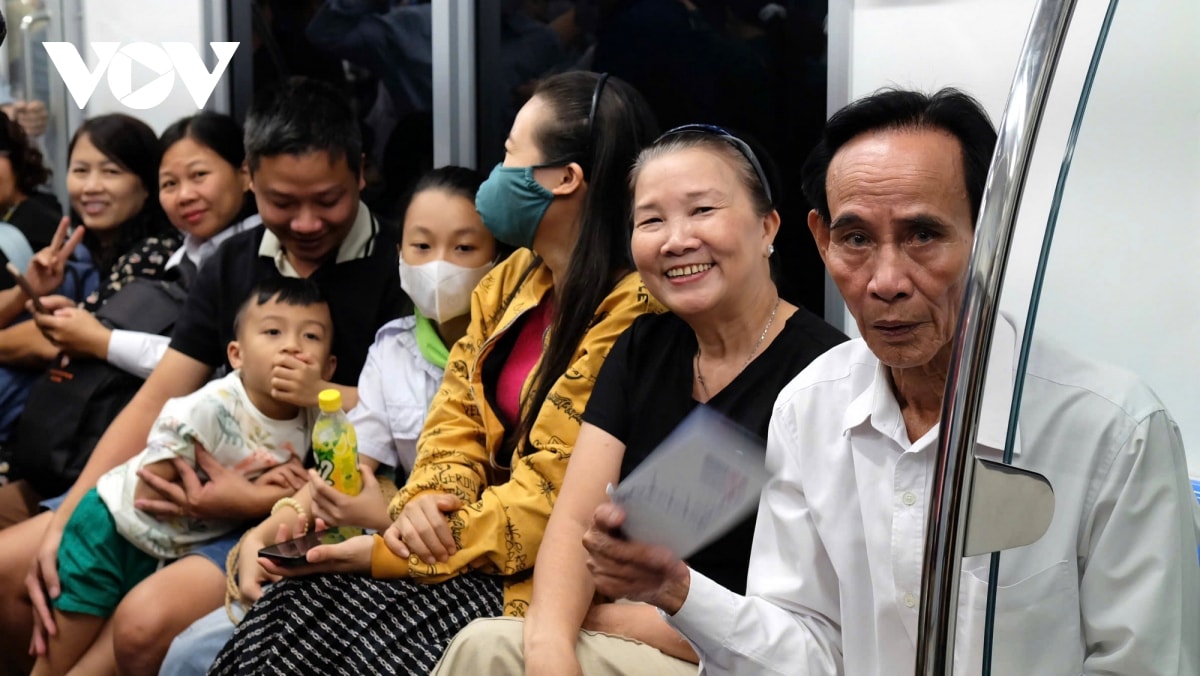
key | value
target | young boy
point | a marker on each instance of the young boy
(108, 546)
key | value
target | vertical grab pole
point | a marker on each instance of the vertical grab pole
(954, 470)
(27, 25)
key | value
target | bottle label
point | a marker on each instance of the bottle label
(337, 463)
(325, 469)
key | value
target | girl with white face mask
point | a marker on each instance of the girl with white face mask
(444, 251)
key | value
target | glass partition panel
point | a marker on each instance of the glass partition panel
(1095, 354)
(27, 75)
(379, 54)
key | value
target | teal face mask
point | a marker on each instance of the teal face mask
(512, 204)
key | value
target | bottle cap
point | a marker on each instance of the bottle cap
(329, 400)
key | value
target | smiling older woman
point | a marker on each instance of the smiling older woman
(704, 220)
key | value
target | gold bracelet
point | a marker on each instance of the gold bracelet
(294, 504)
(233, 593)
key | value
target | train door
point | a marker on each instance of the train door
(153, 91)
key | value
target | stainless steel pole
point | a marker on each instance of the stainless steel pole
(954, 471)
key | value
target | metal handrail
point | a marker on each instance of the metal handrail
(954, 469)
(27, 24)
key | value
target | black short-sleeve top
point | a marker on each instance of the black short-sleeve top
(645, 390)
(363, 294)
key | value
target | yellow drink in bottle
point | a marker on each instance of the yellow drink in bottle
(335, 446)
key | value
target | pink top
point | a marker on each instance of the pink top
(524, 356)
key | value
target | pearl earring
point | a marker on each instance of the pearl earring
(770, 250)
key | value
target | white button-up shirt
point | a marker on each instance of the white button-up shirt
(394, 390)
(835, 574)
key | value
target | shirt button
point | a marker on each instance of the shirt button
(908, 498)
(910, 600)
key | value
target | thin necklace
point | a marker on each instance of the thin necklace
(761, 338)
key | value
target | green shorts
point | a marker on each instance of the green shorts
(97, 566)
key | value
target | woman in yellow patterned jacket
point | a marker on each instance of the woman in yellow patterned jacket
(494, 450)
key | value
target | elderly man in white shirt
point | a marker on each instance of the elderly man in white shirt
(1113, 587)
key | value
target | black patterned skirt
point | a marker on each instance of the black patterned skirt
(356, 625)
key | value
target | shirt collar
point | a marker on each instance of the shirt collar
(877, 404)
(358, 244)
(197, 250)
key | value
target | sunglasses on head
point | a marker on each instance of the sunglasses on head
(729, 137)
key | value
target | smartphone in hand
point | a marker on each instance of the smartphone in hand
(291, 553)
(26, 287)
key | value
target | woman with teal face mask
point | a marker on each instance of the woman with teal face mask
(512, 203)
(468, 523)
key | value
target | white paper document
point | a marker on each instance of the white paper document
(701, 481)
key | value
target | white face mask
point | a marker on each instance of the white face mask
(440, 289)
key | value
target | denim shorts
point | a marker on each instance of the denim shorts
(218, 550)
(53, 503)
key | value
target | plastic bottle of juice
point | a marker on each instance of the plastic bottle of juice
(335, 446)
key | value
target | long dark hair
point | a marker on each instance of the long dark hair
(28, 165)
(606, 148)
(219, 133)
(132, 145)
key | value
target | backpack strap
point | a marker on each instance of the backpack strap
(146, 305)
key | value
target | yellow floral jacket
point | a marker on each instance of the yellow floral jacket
(500, 528)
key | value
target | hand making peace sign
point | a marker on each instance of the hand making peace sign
(47, 268)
